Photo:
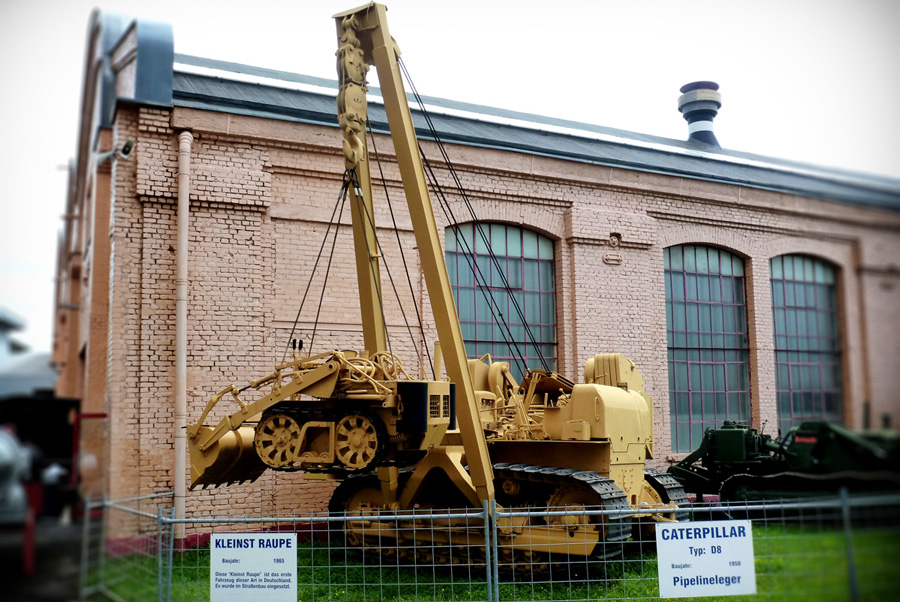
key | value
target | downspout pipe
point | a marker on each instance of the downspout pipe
(185, 140)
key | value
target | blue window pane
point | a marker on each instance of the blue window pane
(465, 238)
(727, 290)
(546, 275)
(690, 262)
(707, 385)
(504, 301)
(548, 307)
(482, 270)
(807, 348)
(465, 271)
(514, 273)
(466, 307)
(450, 240)
(775, 267)
(739, 291)
(545, 247)
(498, 273)
(703, 288)
(717, 319)
(715, 289)
(693, 316)
(714, 267)
(677, 284)
(532, 308)
(532, 275)
(702, 260)
(482, 237)
(514, 242)
(705, 319)
(498, 239)
(500, 303)
(451, 267)
(676, 258)
(530, 244)
(725, 265)
(777, 294)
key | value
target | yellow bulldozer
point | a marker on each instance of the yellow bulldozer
(397, 443)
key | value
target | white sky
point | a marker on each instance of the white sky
(811, 80)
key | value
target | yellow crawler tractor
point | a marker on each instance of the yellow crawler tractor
(397, 443)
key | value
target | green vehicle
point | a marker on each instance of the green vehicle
(737, 463)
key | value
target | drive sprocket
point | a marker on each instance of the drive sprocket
(277, 440)
(359, 441)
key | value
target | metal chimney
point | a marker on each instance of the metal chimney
(699, 103)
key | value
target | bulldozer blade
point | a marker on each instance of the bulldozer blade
(231, 459)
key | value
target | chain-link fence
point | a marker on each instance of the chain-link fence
(126, 548)
(840, 548)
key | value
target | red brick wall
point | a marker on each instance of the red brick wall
(262, 192)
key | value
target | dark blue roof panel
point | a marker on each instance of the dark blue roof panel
(598, 145)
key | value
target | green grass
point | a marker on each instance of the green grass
(791, 564)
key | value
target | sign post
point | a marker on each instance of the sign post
(708, 558)
(253, 567)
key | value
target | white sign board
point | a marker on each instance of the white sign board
(708, 558)
(250, 567)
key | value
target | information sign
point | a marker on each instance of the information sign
(708, 558)
(251, 567)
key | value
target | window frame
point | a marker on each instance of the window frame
(529, 260)
(707, 340)
(809, 359)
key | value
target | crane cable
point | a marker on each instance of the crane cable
(366, 218)
(496, 314)
(477, 227)
(342, 197)
(412, 293)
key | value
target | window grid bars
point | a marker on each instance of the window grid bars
(537, 301)
(807, 360)
(708, 361)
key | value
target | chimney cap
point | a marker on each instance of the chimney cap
(699, 103)
(701, 85)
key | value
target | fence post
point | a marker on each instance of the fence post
(159, 561)
(488, 570)
(495, 555)
(848, 541)
(171, 548)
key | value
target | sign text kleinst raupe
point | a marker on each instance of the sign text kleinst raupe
(249, 567)
(709, 558)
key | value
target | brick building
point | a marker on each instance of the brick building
(743, 287)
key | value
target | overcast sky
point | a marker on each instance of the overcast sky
(809, 80)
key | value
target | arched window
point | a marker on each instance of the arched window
(807, 340)
(525, 293)
(707, 341)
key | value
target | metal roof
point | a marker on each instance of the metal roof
(228, 87)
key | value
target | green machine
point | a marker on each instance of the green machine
(815, 458)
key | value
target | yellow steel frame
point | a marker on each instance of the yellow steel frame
(364, 36)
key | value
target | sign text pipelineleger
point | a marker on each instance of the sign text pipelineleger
(709, 558)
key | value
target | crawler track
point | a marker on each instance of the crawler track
(519, 486)
(670, 490)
